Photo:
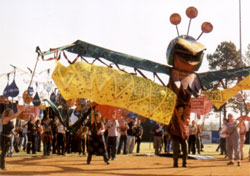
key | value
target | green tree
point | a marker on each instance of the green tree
(247, 58)
(225, 57)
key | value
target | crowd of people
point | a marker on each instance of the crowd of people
(162, 140)
(232, 139)
(50, 136)
(110, 137)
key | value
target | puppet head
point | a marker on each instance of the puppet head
(185, 52)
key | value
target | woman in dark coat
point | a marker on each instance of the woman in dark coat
(96, 141)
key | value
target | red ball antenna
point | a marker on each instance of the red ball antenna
(175, 19)
(191, 12)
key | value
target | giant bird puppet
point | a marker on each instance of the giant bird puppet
(115, 87)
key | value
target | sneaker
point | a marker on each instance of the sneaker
(239, 163)
(230, 163)
(107, 162)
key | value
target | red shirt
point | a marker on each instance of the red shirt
(243, 130)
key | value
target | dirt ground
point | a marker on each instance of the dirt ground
(126, 165)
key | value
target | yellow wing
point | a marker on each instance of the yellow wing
(115, 88)
(220, 97)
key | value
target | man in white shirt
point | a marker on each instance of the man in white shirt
(112, 127)
(61, 137)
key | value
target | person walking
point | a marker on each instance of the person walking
(180, 141)
(223, 137)
(123, 127)
(157, 139)
(39, 135)
(61, 137)
(232, 140)
(138, 134)
(96, 140)
(192, 138)
(46, 136)
(112, 127)
(130, 135)
(32, 132)
(198, 138)
(8, 130)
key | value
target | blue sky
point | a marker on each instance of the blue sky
(136, 27)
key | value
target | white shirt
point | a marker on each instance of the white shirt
(60, 128)
(223, 130)
(25, 129)
(73, 118)
(112, 126)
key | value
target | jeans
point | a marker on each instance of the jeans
(111, 146)
(123, 141)
(130, 143)
(157, 140)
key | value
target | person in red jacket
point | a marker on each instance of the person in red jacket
(180, 140)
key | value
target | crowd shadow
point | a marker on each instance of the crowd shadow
(97, 168)
(70, 169)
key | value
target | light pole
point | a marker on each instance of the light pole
(240, 48)
(240, 33)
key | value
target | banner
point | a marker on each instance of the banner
(201, 105)
(116, 88)
(206, 137)
(108, 112)
(29, 110)
(220, 97)
(215, 137)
